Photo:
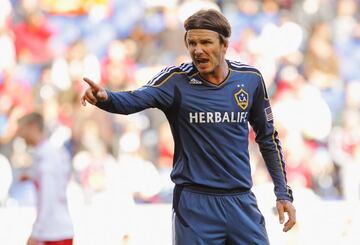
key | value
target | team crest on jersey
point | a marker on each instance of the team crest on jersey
(242, 98)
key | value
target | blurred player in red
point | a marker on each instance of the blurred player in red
(50, 173)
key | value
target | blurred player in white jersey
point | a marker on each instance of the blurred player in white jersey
(50, 173)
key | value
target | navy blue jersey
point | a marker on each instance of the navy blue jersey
(209, 124)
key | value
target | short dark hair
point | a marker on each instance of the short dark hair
(209, 19)
(33, 118)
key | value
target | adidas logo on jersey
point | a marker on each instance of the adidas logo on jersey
(195, 81)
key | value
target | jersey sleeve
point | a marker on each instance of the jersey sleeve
(261, 120)
(157, 93)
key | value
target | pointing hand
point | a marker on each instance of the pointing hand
(95, 93)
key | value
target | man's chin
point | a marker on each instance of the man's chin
(203, 70)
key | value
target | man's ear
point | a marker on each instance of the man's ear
(226, 43)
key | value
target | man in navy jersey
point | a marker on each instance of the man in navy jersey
(208, 104)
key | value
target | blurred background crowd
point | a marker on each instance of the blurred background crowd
(307, 50)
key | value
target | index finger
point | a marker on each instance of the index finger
(91, 83)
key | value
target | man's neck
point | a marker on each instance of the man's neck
(218, 75)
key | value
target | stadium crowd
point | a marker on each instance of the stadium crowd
(308, 52)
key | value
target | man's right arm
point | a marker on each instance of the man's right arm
(158, 93)
(134, 101)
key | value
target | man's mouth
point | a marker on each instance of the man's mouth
(201, 61)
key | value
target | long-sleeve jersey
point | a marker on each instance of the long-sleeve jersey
(209, 124)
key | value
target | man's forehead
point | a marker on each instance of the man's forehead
(201, 33)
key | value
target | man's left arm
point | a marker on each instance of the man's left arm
(261, 120)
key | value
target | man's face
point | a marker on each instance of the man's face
(206, 50)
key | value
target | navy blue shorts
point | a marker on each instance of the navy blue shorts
(203, 217)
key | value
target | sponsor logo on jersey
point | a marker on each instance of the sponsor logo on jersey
(195, 81)
(242, 98)
(218, 117)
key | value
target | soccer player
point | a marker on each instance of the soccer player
(208, 104)
(50, 173)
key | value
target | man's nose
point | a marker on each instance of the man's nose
(198, 50)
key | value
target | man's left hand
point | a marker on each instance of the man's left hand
(284, 206)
